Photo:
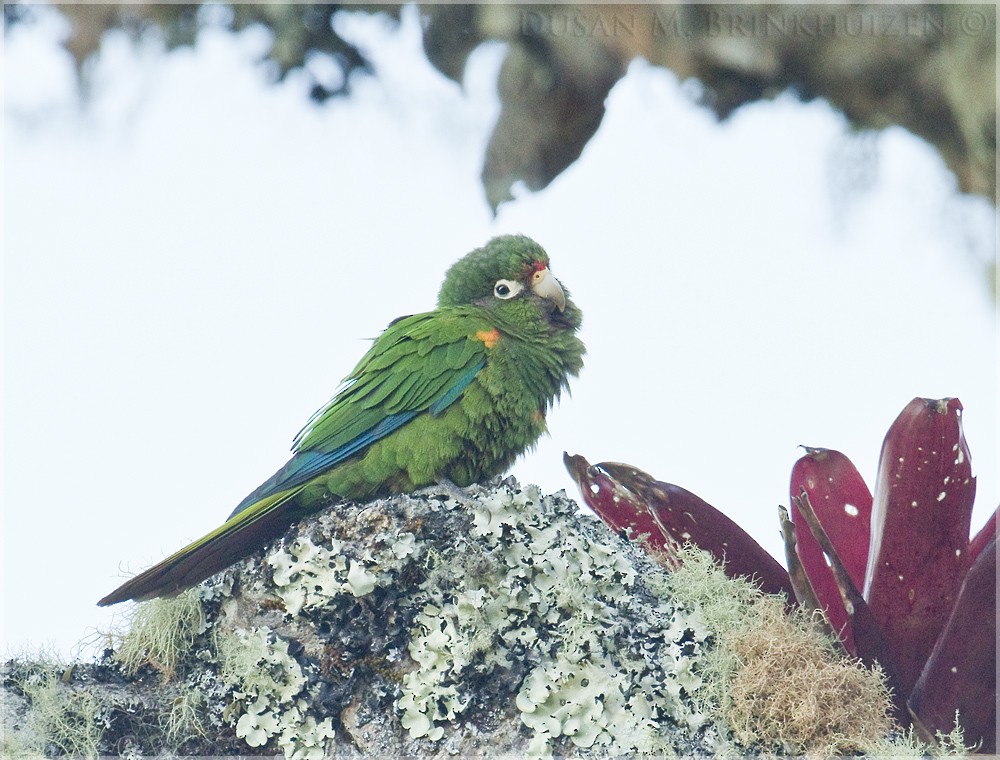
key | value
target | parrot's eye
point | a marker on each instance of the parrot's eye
(506, 289)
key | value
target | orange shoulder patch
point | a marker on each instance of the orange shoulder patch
(489, 337)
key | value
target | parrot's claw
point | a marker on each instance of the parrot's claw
(446, 488)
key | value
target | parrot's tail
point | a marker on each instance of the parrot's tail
(236, 538)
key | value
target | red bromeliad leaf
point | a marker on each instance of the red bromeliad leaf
(920, 530)
(982, 539)
(617, 506)
(682, 517)
(961, 672)
(685, 517)
(843, 504)
(841, 501)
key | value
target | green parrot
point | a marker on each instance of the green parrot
(454, 394)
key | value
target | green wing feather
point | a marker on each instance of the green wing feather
(410, 365)
(418, 365)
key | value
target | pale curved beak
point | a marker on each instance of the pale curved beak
(544, 285)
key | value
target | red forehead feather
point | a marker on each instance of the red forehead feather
(529, 269)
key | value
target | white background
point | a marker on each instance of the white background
(194, 258)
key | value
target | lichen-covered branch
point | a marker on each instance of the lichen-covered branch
(492, 622)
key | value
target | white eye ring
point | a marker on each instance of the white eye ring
(506, 289)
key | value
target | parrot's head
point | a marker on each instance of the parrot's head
(510, 277)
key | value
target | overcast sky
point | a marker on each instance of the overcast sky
(196, 258)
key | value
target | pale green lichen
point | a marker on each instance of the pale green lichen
(404, 545)
(61, 717)
(555, 598)
(953, 742)
(160, 632)
(307, 575)
(269, 682)
(430, 693)
(183, 721)
(903, 744)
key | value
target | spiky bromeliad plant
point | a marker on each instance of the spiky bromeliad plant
(897, 577)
